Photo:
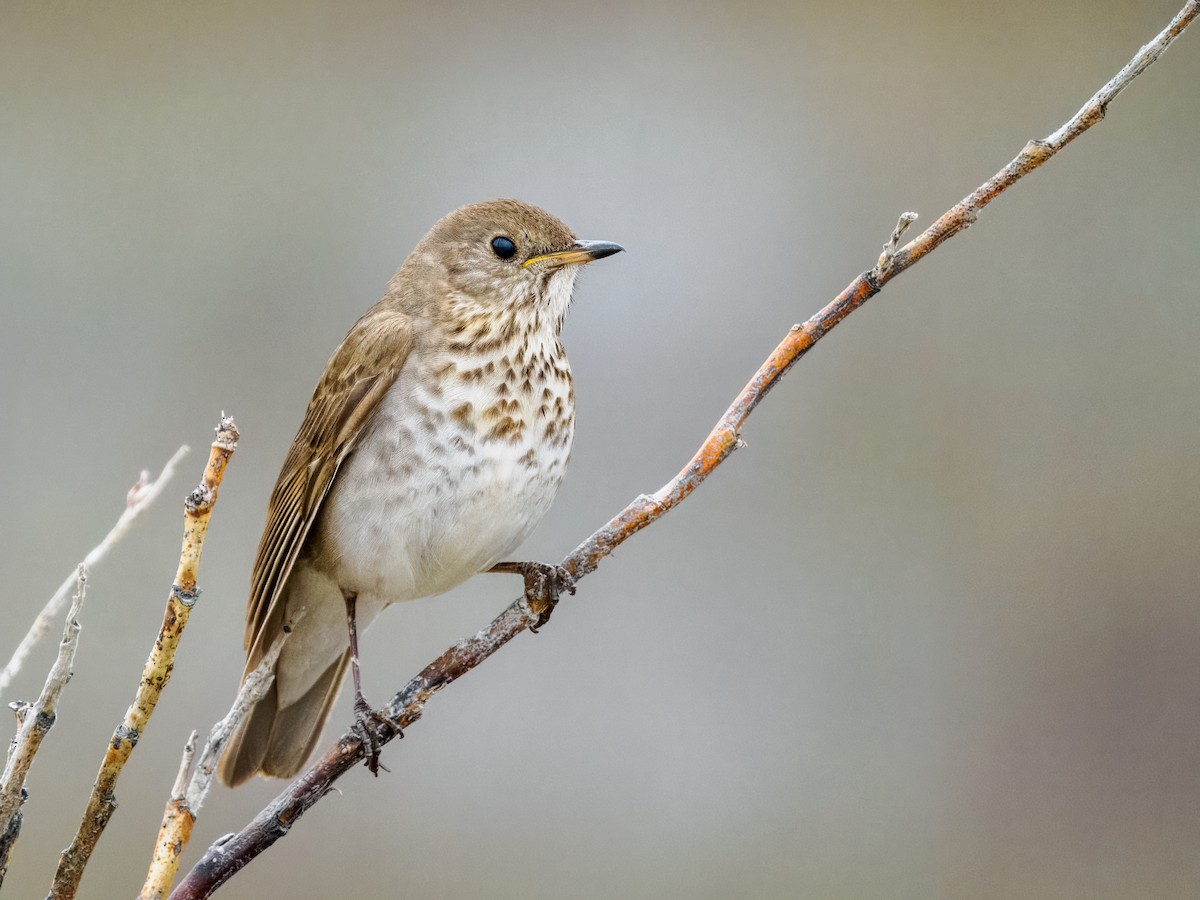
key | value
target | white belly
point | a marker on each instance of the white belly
(425, 502)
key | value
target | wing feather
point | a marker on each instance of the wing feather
(357, 377)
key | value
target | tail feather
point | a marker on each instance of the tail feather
(277, 742)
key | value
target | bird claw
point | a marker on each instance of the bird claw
(369, 726)
(546, 583)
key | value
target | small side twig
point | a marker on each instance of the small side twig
(35, 721)
(192, 784)
(228, 856)
(884, 266)
(198, 508)
(140, 496)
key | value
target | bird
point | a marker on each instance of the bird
(435, 440)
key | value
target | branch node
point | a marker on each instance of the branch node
(138, 490)
(199, 500)
(651, 501)
(187, 598)
(883, 267)
(124, 733)
(20, 709)
(227, 433)
(1038, 151)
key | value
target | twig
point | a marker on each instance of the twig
(34, 722)
(191, 785)
(229, 855)
(173, 833)
(198, 508)
(140, 496)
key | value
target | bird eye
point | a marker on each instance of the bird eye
(504, 247)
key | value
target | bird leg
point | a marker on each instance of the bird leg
(543, 582)
(368, 723)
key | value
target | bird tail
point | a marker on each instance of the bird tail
(277, 742)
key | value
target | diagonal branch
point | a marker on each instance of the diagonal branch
(229, 855)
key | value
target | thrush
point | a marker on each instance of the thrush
(435, 441)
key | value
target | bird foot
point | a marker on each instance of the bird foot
(545, 583)
(373, 728)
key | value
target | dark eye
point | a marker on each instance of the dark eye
(504, 247)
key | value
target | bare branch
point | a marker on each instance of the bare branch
(1036, 153)
(884, 266)
(140, 496)
(198, 508)
(229, 855)
(191, 786)
(35, 721)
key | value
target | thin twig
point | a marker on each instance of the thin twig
(140, 496)
(191, 785)
(198, 508)
(35, 721)
(229, 855)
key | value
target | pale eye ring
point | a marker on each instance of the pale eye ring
(504, 247)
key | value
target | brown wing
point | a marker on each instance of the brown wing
(356, 378)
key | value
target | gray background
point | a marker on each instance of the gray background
(932, 635)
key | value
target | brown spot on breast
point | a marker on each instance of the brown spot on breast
(500, 409)
(461, 446)
(461, 414)
(507, 429)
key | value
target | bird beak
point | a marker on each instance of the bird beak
(577, 254)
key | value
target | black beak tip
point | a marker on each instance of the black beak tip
(600, 249)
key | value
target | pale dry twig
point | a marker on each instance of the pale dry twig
(140, 496)
(35, 720)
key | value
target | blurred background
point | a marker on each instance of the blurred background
(933, 634)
